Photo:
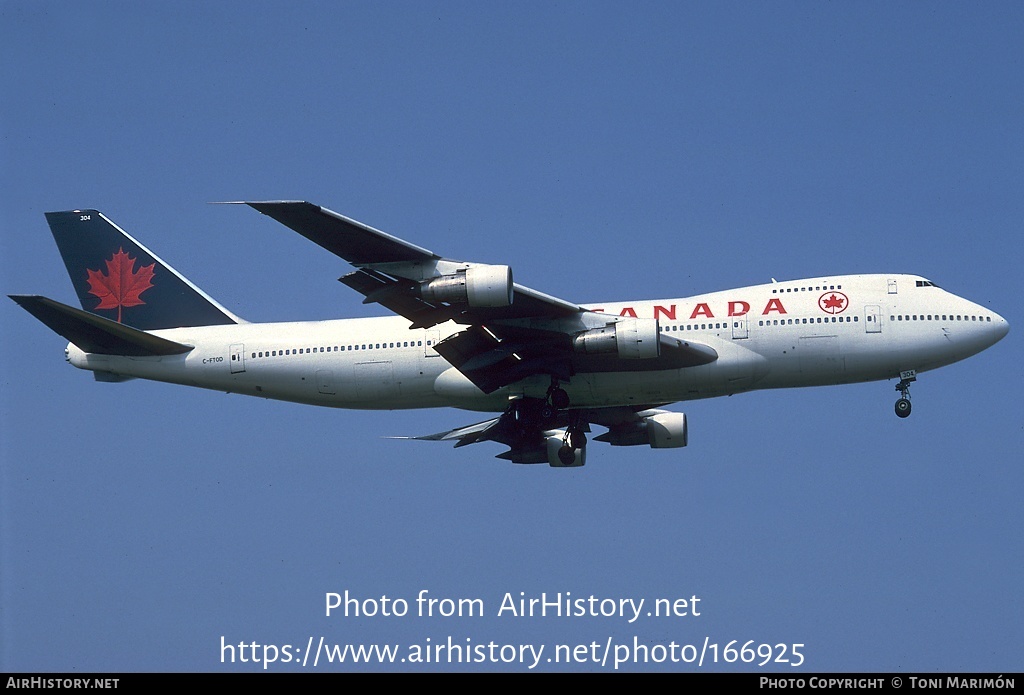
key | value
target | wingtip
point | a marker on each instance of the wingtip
(255, 203)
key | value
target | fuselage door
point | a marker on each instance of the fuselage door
(429, 342)
(739, 327)
(237, 358)
(325, 382)
(872, 319)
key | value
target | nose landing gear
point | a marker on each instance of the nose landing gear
(903, 404)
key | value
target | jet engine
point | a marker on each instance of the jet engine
(633, 339)
(555, 454)
(659, 429)
(479, 286)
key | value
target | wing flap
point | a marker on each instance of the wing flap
(398, 295)
(497, 356)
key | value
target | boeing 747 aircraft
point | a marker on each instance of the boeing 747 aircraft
(467, 336)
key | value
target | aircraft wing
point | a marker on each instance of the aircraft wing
(357, 243)
(513, 331)
(526, 434)
(462, 436)
(392, 271)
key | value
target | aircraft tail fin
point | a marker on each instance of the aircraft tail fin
(94, 333)
(117, 277)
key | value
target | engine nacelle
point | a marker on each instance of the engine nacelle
(554, 444)
(666, 430)
(631, 339)
(479, 286)
(659, 429)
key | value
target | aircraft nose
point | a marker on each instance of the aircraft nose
(975, 336)
(1000, 327)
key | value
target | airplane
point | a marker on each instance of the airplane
(466, 335)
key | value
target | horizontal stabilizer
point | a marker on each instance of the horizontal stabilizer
(96, 334)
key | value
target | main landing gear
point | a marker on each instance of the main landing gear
(575, 439)
(533, 427)
(557, 396)
(903, 404)
(575, 434)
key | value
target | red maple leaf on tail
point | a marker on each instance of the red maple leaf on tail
(122, 284)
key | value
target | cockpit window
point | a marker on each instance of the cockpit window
(926, 283)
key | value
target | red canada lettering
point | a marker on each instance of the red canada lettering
(669, 313)
(738, 308)
(774, 304)
(702, 309)
(628, 311)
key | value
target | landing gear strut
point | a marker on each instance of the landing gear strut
(575, 433)
(903, 404)
(575, 440)
(557, 399)
(575, 436)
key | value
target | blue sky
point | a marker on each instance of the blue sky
(605, 152)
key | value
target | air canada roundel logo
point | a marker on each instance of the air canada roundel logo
(833, 302)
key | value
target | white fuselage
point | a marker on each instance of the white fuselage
(819, 331)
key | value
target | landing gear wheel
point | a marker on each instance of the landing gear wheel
(559, 398)
(903, 407)
(567, 455)
(903, 404)
(547, 412)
